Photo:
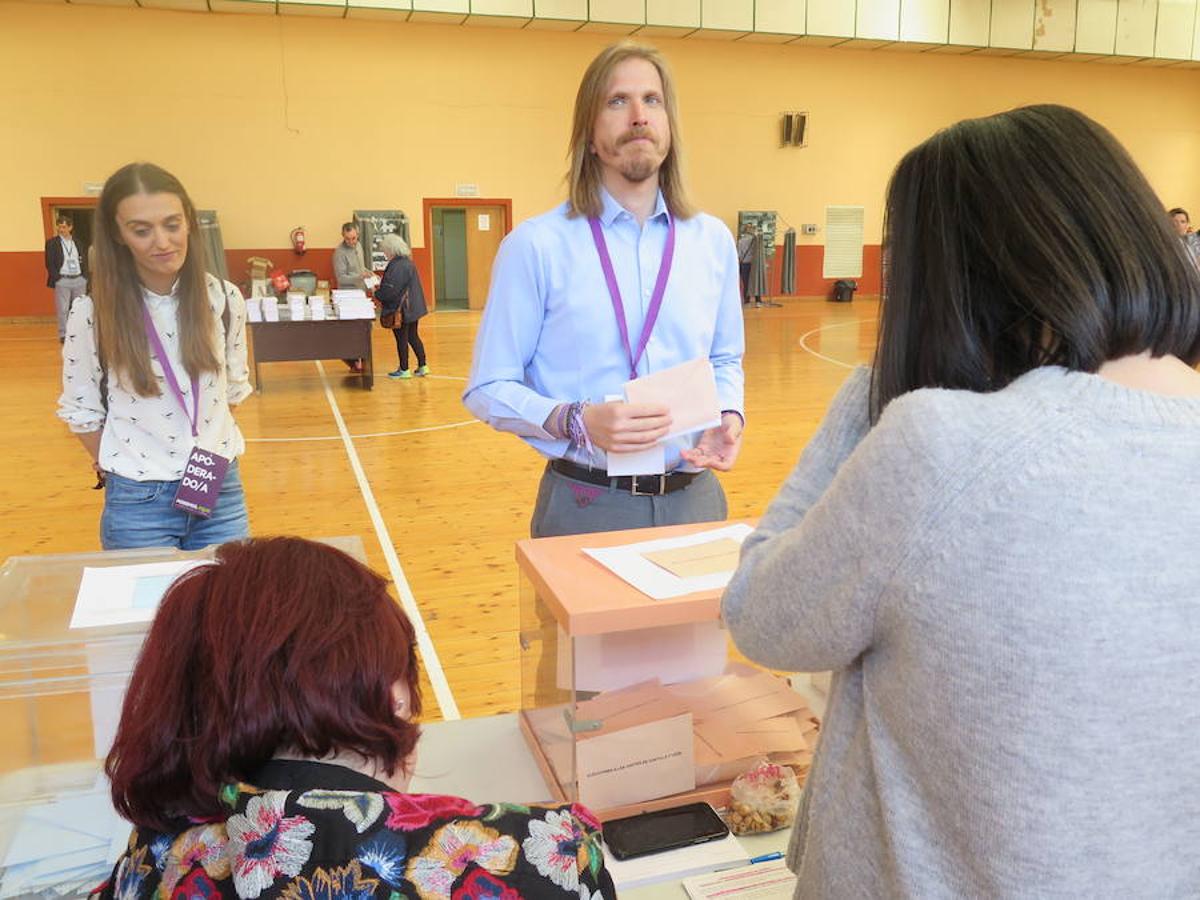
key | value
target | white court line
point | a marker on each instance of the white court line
(433, 666)
(373, 434)
(829, 359)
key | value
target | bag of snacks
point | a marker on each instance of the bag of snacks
(764, 799)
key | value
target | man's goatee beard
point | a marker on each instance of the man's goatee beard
(640, 170)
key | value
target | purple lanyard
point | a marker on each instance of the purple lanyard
(169, 373)
(660, 288)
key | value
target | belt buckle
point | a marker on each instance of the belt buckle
(658, 492)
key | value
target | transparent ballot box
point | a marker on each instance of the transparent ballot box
(61, 690)
(631, 703)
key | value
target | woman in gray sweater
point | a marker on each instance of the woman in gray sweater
(992, 540)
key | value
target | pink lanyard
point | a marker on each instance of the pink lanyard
(169, 373)
(660, 288)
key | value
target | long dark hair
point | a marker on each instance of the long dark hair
(117, 293)
(1025, 239)
(283, 645)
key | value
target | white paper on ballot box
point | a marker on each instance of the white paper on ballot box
(671, 653)
(628, 562)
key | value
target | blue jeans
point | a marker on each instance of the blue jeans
(140, 514)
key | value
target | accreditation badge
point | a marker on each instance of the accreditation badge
(201, 483)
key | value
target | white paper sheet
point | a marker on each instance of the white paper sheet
(118, 595)
(763, 881)
(640, 462)
(675, 864)
(628, 564)
(673, 653)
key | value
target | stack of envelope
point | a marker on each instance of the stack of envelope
(297, 306)
(738, 718)
(353, 304)
(62, 848)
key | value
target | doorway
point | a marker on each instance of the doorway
(80, 210)
(450, 263)
(464, 236)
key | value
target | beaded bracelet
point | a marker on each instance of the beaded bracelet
(577, 432)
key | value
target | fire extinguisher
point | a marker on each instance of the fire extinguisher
(298, 240)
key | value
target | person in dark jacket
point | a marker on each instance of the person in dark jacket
(66, 271)
(400, 294)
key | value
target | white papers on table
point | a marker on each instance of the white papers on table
(316, 308)
(674, 864)
(762, 881)
(270, 309)
(352, 303)
(628, 563)
(74, 840)
(117, 595)
(254, 309)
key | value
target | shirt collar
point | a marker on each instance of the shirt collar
(300, 775)
(611, 210)
(150, 297)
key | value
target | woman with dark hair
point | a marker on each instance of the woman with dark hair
(267, 740)
(991, 539)
(153, 360)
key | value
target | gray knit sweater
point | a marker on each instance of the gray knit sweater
(1008, 588)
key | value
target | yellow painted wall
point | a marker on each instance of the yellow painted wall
(278, 121)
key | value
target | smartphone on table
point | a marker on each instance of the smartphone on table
(665, 829)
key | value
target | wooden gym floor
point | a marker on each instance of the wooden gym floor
(437, 498)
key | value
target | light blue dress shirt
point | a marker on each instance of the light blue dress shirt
(549, 333)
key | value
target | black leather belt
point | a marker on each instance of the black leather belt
(639, 485)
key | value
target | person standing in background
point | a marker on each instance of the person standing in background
(400, 296)
(66, 271)
(1183, 227)
(350, 272)
(745, 251)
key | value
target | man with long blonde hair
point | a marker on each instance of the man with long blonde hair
(624, 279)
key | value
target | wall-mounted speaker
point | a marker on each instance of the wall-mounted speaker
(793, 129)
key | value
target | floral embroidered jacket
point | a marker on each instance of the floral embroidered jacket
(313, 831)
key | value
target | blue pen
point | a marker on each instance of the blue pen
(767, 857)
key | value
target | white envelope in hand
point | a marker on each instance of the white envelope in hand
(688, 391)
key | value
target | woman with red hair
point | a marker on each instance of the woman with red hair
(268, 737)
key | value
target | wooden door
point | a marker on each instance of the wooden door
(485, 230)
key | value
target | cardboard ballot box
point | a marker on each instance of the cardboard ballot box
(61, 690)
(631, 703)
